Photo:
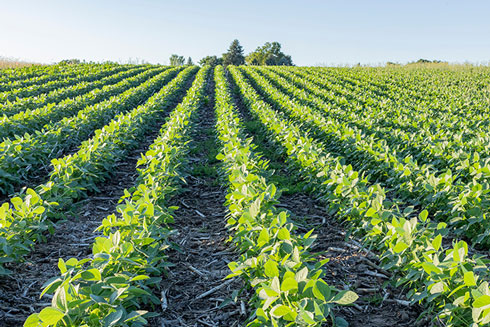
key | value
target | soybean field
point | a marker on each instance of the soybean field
(149, 195)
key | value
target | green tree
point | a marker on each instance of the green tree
(70, 62)
(211, 60)
(269, 54)
(234, 55)
(176, 60)
(189, 62)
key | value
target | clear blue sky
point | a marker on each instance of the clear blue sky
(312, 32)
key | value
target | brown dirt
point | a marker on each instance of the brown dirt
(73, 238)
(201, 263)
(351, 268)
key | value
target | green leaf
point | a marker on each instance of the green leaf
(437, 288)
(371, 212)
(289, 284)
(72, 262)
(116, 294)
(140, 277)
(271, 268)
(460, 300)
(116, 280)
(345, 297)
(269, 298)
(39, 210)
(482, 301)
(429, 267)
(17, 202)
(301, 275)
(91, 274)
(275, 285)
(263, 237)
(321, 290)
(61, 265)
(280, 310)
(261, 314)
(282, 218)
(32, 321)
(50, 285)
(307, 316)
(51, 316)
(423, 215)
(59, 298)
(113, 318)
(98, 299)
(436, 242)
(400, 247)
(134, 315)
(284, 234)
(469, 278)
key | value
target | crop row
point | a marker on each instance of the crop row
(438, 131)
(14, 75)
(456, 197)
(71, 91)
(274, 259)
(443, 91)
(384, 150)
(28, 121)
(31, 214)
(91, 73)
(388, 119)
(451, 284)
(47, 76)
(111, 287)
(22, 157)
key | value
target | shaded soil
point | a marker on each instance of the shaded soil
(350, 267)
(201, 262)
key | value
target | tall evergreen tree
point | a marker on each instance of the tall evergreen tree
(189, 62)
(234, 56)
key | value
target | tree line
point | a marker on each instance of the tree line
(269, 54)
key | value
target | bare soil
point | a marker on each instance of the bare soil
(195, 292)
(351, 267)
